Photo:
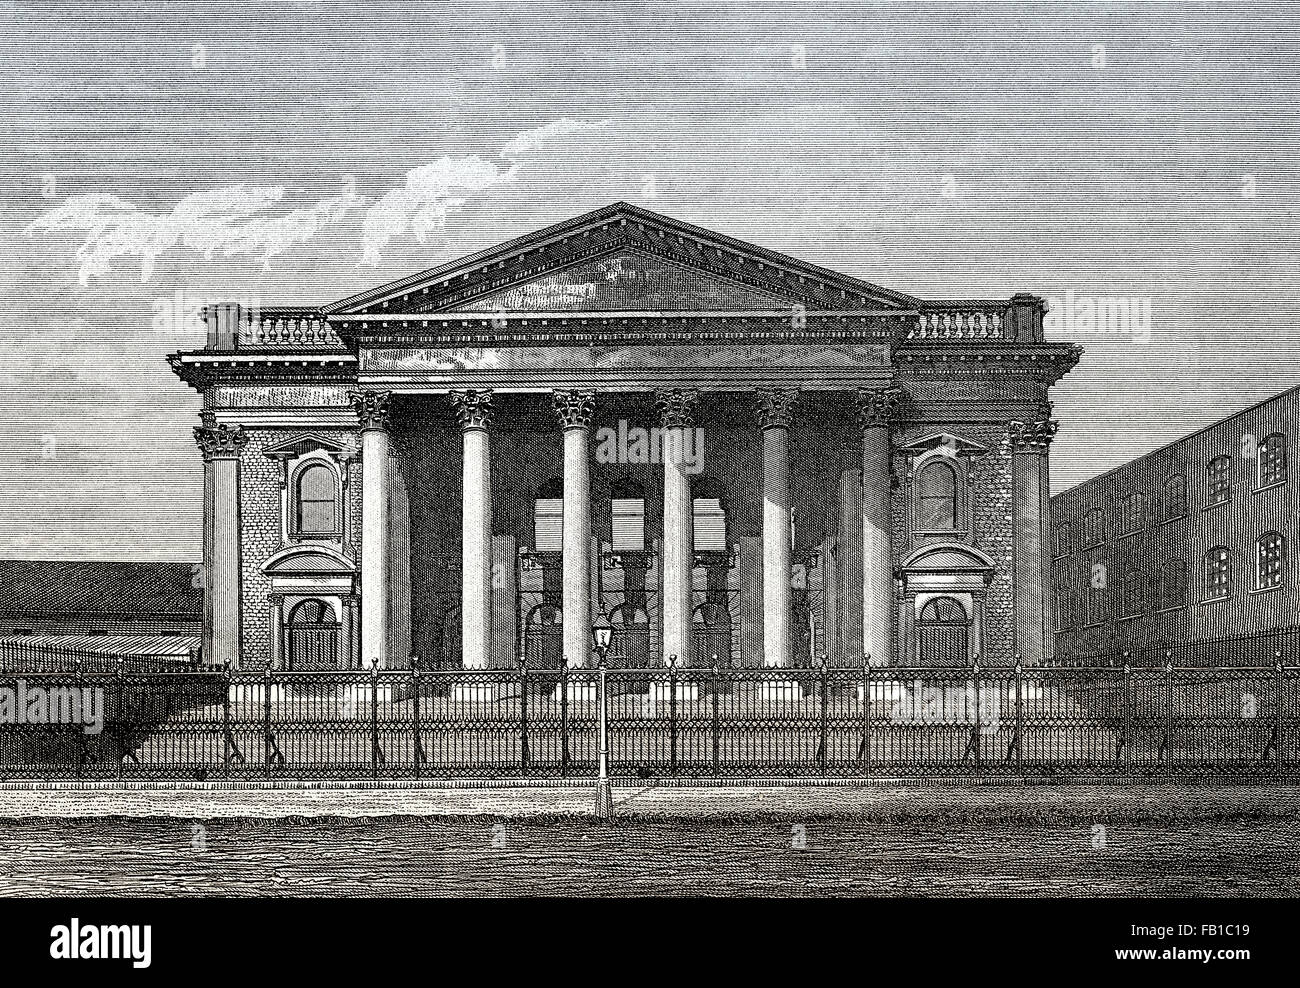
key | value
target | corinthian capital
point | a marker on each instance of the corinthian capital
(371, 408)
(676, 408)
(574, 409)
(473, 408)
(219, 441)
(876, 408)
(776, 408)
(1032, 437)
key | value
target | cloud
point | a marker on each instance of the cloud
(422, 204)
(237, 220)
(537, 138)
(215, 221)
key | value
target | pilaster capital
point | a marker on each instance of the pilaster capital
(372, 408)
(776, 408)
(573, 409)
(219, 441)
(1032, 437)
(877, 407)
(676, 407)
(275, 599)
(473, 408)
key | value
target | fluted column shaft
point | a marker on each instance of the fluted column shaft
(676, 417)
(574, 410)
(875, 409)
(220, 445)
(474, 409)
(372, 414)
(775, 419)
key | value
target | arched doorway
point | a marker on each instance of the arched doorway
(630, 641)
(312, 636)
(543, 637)
(710, 635)
(943, 633)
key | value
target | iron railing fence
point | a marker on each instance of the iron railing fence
(23, 657)
(662, 723)
(1258, 649)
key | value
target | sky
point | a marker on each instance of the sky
(154, 157)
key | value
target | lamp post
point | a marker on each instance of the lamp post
(602, 633)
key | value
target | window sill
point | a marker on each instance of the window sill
(1129, 617)
(315, 536)
(1128, 535)
(1171, 610)
(1272, 589)
(1093, 545)
(951, 533)
(1217, 504)
(1269, 487)
(1166, 521)
(1216, 600)
(1095, 624)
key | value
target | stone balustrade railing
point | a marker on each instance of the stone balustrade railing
(232, 326)
(1019, 320)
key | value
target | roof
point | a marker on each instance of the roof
(53, 587)
(162, 645)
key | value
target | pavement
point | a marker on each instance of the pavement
(884, 800)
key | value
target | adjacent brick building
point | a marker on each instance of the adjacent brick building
(727, 453)
(1188, 545)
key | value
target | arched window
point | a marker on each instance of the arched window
(943, 633)
(1270, 560)
(1173, 584)
(1175, 497)
(1218, 478)
(627, 517)
(548, 518)
(1133, 513)
(1272, 460)
(709, 516)
(1097, 594)
(1061, 540)
(936, 498)
(312, 636)
(1218, 573)
(1094, 527)
(316, 501)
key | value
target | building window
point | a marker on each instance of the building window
(1094, 527)
(1218, 573)
(1219, 479)
(936, 498)
(1270, 556)
(1173, 584)
(710, 522)
(1272, 460)
(627, 518)
(548, 518)
(1133, 513)
(1174, 502)
(1062, 539)
(316, 496)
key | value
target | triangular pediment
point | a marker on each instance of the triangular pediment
(627, 280)
(623, 258)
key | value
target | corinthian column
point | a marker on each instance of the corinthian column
(372, 414)
(220, 446)
(474, 409)
(676, 416)
(574, 411)
(1029, 489)
(875, 409)
(775, 416)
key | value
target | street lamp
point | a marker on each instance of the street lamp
(601, 633)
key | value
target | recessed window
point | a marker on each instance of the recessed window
(1173, 584)
(1133, 513)
(1218, 477)
(1218, 573)
(710, 523)
(548, 518)
(627, 518)
(1270, 556)
(1061, 539)
(936, 498)
(1094, 527)
(1272, 460)
(1174, 499)
(316, 501)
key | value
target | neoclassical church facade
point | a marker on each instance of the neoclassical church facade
(731, 455)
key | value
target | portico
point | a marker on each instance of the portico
(469, 510)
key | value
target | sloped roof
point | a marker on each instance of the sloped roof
(40, 586)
